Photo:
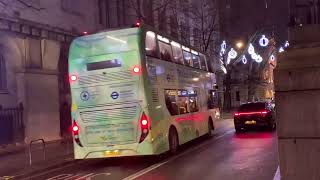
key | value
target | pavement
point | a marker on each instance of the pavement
(252, 155)
(15, 159)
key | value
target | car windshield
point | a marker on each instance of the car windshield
(252, 107)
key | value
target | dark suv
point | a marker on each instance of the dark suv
(255, 114)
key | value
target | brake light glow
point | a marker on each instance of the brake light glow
(136, 70)
(75, 128)
(73, 78)
(250, 113)
(144, 124)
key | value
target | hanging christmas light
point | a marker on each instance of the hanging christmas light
(286, 44)
(232, 54)
(244, 59)
(281, 50)
(251, 49)
(272, 58)
(264, 42)
(259, 59)
(223, 48)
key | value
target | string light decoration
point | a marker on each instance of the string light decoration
(264, 42)
(244, 59)
(223, 48)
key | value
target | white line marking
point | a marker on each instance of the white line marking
(277, 175)
(155, 166)
(85, 176)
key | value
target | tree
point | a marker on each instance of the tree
(204, 15)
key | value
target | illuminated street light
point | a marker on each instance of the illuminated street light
(239, 45)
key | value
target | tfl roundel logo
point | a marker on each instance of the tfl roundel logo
(84, 96)
(114, 95)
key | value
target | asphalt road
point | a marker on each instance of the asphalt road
(226, 156)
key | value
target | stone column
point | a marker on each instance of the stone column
(297, 86)
(38, 90)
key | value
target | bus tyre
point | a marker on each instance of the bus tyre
(173, 141)
(210, 128)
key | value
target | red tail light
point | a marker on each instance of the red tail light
(264, 113)
(73, 78)
(136, 70)
(75, 130)
(144, 124)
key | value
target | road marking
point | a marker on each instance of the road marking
(6, 177)
(155, 166)
(85, 176)
(277, 175)
(78, 176)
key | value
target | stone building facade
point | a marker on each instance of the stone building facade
(34, 40)
(239, 21)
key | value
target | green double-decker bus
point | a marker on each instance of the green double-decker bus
(136, 91)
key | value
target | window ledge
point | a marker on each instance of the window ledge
(4, 92)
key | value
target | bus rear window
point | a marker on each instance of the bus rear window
(104, 64)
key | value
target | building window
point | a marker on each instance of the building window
(71, 6)
(3, 74)
(237, 96)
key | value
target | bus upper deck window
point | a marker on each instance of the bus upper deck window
(177, 52)
(165, 51)
(151, 47)
(195, 59)
(187, 58)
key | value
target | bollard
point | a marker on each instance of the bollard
(43, 149)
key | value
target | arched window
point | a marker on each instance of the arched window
(3, 74)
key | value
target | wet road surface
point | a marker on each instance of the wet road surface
(227, 156)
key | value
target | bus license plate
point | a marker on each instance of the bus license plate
(251, 122)
(111, 153)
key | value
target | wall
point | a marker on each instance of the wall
(31, 39)
(69, 15)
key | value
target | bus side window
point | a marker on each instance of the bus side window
(182, 101)
(193, 101)
(151, 46)
(165, 51)
(177, 52)
(187, 58)
(203, 62)
(171, 103)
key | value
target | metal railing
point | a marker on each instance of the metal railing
(11, 125)
(43, 149)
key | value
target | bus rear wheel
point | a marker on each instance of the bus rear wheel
(173, 141)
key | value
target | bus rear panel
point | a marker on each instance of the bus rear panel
(108, 98)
